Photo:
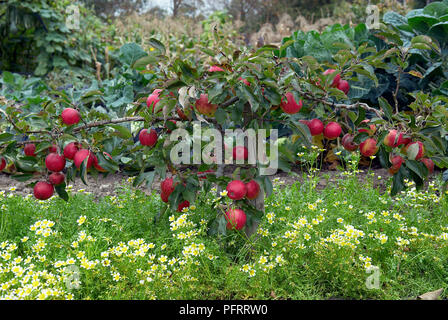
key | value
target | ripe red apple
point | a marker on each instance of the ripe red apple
(305, 122)
(148, 139)
(240, 153)
(236, 218)
(290, 106)
(403, 139)
(204, 107)
(181, 114)
(391, 139)
(71, 149)
(56, 178)
(347, 142)
(43, 190)
(164, 197)
(415, 150)
(332, 130)
(183, 204)
(336, 79)
(252, 190)
(70, 116)
(167, 186)
(368, 147)
(396, 161)
(215, 69)
(53, 149)
(344, 86)
(95, 162)
(81, 155)
(172, 121)
(236, 190)
(2, 164)
(55, 162)
(30, 149)
(316, 127)
(371, 130)
(153, 99)
(429, 164)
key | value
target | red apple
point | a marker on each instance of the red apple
(71, 149)
(396, 161)
(347, 142)
(167, 186)
(236, 218)
(344, 86)
(56, 178)
(332, 130)
(30, 149)
(148, 139)
(172, 121)
(391, 139)
(290, 106)
(429, 164)
(415, 150)
(182, 205)
(164, 197)
(81, 155)
(70, 116)
(371, 130)
(53, 149)
(336, 79)
(204, 107)
(403, 139)
(95, 162)
(153, 99)
(2, 164)
(368, 147)
(55, 162)
(240, 153)
(236, 190)
(316, 127)
(252, 190)
(43, 190)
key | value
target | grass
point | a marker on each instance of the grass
(311, 244)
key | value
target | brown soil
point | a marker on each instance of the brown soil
(102, 186)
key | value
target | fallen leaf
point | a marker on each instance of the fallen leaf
(433, 295)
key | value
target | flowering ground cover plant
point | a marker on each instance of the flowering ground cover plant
(310, 245)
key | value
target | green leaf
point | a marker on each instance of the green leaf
(397, 183)
(130, 53)
(6, 136)
(141, 63)
(124, 132)
(62, 193)
(22, 177)
(83, 171)
(156, 44)
(386, 107)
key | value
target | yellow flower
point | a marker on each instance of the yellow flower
(81, 220)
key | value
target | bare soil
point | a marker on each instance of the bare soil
(109, 185)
